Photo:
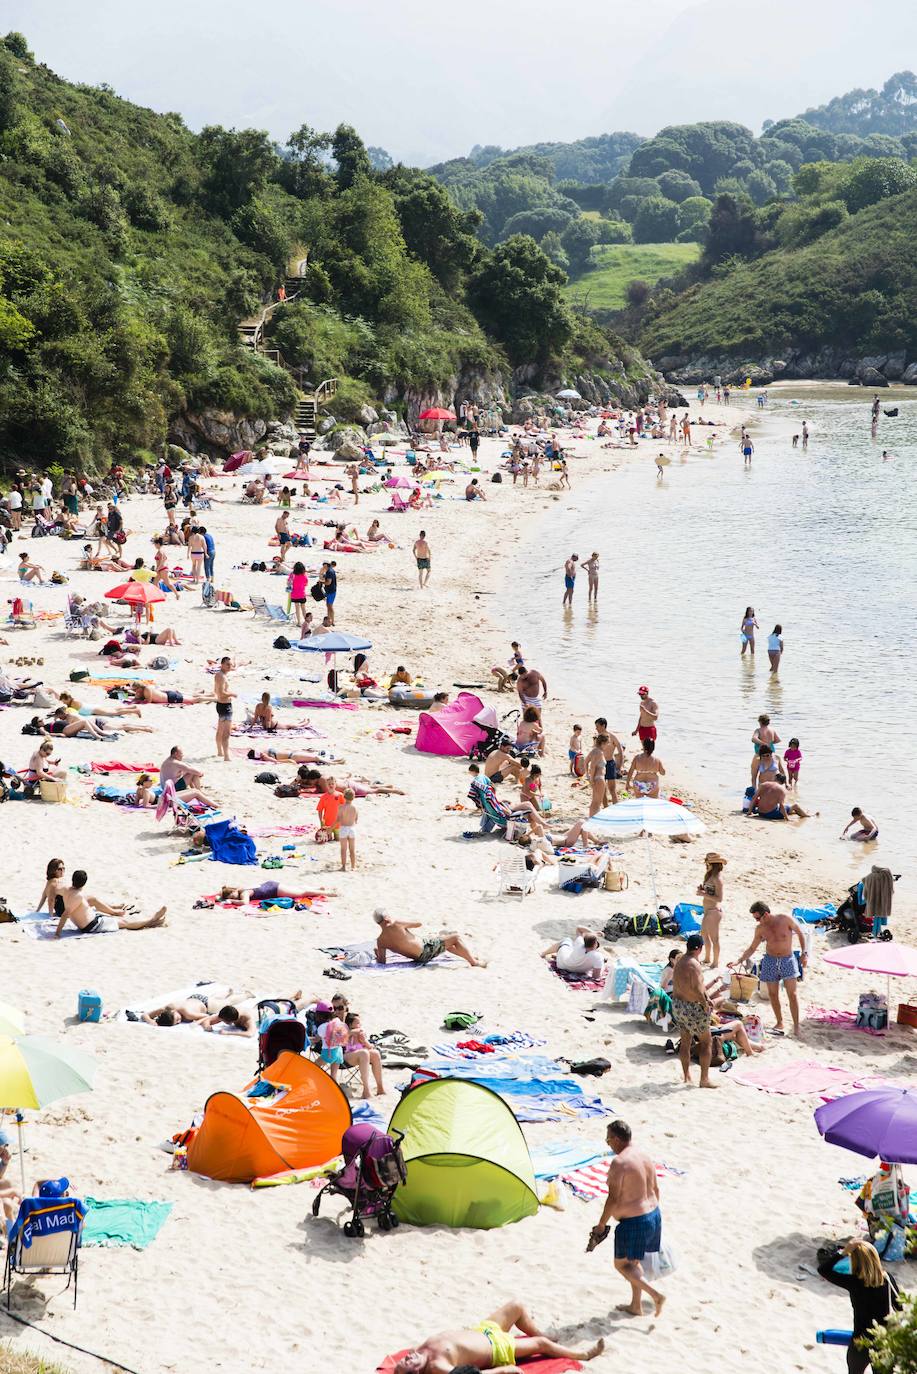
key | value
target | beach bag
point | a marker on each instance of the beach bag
(460, 1020)
(742, 985)
(79, 675)
(754, 1029)
(281, 642)
(659, 1264)
(592, 1068)
(872, 1011)
(267, 778)
(616, 880)
(159, 662)
(907, 1014)
(497, 478)
(578, 765)
(286, 789)
(317, 591)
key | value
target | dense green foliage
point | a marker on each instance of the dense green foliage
(855, 287)
(889, 111)
(894, 1349)
(130, 249)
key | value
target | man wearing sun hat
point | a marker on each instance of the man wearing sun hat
(649, 714)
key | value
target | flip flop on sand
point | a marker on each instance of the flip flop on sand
(336, 973)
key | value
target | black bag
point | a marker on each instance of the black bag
(271, 778)
(281, 642)
(497, 478)
(593, 1068)
(286, 789)
(317, 591)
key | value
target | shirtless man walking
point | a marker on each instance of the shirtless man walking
(394, 938)
(633, 1202)
(224, 699)
(531, 687)
(570, 578)
(422, 557)
(691, 1009)
(778, 964)
(613, 753)
(72, 904)
(491, 1346)
(649, 714)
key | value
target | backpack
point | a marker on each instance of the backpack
(460, 1020)
(267, 777)
(594, 1068)
(497, 478)
(317, 591)
(281, 642)
(159, 662)
(286, 789)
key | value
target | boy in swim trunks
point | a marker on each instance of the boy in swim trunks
(347, 831)
(868, 829)
(491, 1345)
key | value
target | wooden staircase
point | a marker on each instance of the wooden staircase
(252, 336)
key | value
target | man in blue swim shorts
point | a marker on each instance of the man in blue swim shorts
(633, 1201)
(769, 802)
(778, 964)
(570, 578)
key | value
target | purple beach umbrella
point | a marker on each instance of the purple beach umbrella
(880, 1121)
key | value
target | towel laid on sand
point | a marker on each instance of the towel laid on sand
(117, 766)
(123, 1221)
(839, 1020)
(559, 1157)
(46, 930)
(809, 915)
(802, 1076)
(361, 959)
(205, 989)
(543, 1365)
(579, 982)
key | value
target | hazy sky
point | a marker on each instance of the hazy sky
(428, 80)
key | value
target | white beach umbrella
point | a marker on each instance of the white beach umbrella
(645, 816)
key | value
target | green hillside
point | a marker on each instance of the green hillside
(854, 288)
(614, 267)
(131, 249)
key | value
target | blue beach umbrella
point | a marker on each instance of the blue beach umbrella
(334, 642)
(645, 816)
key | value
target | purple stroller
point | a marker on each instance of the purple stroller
(373, 1170)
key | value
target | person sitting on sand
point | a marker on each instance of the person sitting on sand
(187, 780)
(645, 771)
(769, 802)
(72, 904)
(529, 731)
(263, 715)
(868, 829)
(473, 492)
(492, 1345)
(500, 765)
(43, 767)
(29, 571)
(144, 796)
(579, 953)
(55, 882)
(394, 938)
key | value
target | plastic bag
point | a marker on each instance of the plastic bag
(659, 1264)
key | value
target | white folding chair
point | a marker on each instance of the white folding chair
(514, 878)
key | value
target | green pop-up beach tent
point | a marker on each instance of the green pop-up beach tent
(467, 1160)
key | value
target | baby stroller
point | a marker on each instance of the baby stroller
(278, 1030)
(496, 737)
(851, 918)
(373, 1170)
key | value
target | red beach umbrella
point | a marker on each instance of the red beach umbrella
(436, 413)
(136, 593)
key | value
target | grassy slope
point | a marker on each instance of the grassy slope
(808, 297)
(604, 286)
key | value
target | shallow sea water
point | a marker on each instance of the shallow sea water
(822, 541)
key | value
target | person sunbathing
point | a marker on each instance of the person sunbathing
(109, 709)
(376, 535)
(145, 694)
(301, 756)
(243, 1016)
(492, 1345)
(394, 938)
(361, 787)
(74, 905)
(68, 724)
(268, 891)
(189, 1011)
(91, 562)
(167, 636)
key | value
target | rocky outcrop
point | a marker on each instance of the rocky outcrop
(216, 432)
(794, 365)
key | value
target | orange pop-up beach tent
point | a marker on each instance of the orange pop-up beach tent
(299, 1127)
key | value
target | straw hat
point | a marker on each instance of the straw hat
(714, 858)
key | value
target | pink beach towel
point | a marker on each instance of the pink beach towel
(803, 1076)
(577, 983)
(543, 1365)
(839, 1020)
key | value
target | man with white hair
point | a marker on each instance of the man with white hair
(394, 937)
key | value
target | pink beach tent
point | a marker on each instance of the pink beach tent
(452, 730)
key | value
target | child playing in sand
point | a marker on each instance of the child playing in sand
(347, 831)
(792, 757)
(575, 747)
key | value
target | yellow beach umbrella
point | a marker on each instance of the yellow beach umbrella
(12, 1022)
(35, 1071)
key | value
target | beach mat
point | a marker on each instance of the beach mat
(576, 982)
(45, 930)
(542, 1365)
(395, 963)
(801, 1077)
(123, 1221)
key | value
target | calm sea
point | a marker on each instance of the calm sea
(823, 542)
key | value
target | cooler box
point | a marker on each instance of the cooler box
(89, 1006)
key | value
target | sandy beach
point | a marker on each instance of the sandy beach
(247, 1279)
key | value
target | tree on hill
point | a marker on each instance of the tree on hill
(518, 293)
(236, 164)
(893, 110)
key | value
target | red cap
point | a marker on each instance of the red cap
(643, 691)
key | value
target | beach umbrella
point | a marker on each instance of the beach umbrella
(437, 413)
(35, 1071)
(335, 642)
(11, 1020)
(568, 394)
(399, 480)
(136, 593)
(645, 816)
(300, 475)
(884, 957)
(879, 1121)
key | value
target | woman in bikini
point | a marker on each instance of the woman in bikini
(89, 711)
(155, 696)
(747, 627)
(711, 892)
(645, 771)
(267, 892)
(764, 734)
(54, 884)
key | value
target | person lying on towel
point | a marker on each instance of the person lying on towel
(493, 1345)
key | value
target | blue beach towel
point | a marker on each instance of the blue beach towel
(124, 1221)
(810, 914)
(229, 844)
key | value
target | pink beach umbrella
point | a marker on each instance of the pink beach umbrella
(885, 957)
(399, 480)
